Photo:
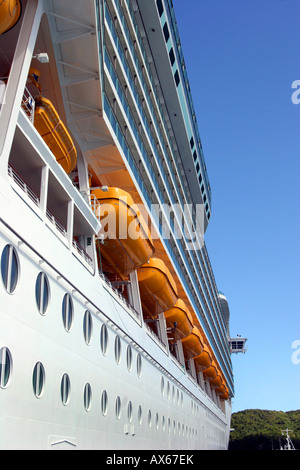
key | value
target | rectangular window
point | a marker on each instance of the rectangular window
(200, 178)
(195, 155)
(166, 32)
(172, 56)
(197, 167)
(177, 79)
(192, 143)
(160, 7)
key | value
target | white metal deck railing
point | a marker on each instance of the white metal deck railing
(24, 186)
(35, 199)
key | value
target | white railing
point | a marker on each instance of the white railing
(59, 227)
(24, 186)
(121, 297)
(28, 104)
(57, 224)
(82, 252)
(155, 337)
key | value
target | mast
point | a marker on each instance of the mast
(289, 445)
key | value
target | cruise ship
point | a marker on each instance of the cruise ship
(113, 333)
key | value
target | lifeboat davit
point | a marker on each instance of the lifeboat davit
(157, 287)
(10, 12)
(127, 244)
(179, 318)
(193, 344)
(53, 131)
(204, 360)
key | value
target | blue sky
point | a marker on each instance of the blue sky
(242, 57)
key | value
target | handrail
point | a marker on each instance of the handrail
(24, 186)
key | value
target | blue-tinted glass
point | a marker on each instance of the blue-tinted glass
(42, 292)
(9, 268)
(67, 311)
(4, 264)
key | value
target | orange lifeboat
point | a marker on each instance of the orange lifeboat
(211, 373)
(179, 317)
(128, 244)
(193, 344)
(222, 389)
(204, 360)
(225, 395)
(157, 287)
(49, 125)
(10, 12)
(217, 381)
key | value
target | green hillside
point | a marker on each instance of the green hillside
(261, 429)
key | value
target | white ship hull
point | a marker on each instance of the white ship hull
(182, 415)
(79, 367)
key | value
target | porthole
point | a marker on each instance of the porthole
(162, 386)
(117, 349)
(156, 420)
(118, 407)
(139, 365)
(169, 425)
(104, 402)
(38, 379)
(9, 268)
(87, 326)
(104, 339)
(129, 411)
(149, 418)
(87, 397)
(65, 389)
(163, 423)
(168, 390)
(129, 358)
(140, 415)
(42, 292)
(67, 312)
(5, 367)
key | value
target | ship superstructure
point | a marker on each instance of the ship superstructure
(113, 332)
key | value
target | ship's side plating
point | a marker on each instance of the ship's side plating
(80, 366)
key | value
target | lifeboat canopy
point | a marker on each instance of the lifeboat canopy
(193, 344)
(10, 12)
(53, 131)
(157, 287)
(127, 243)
